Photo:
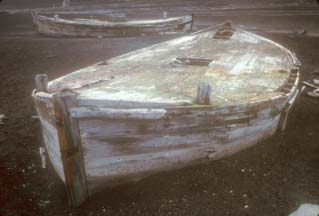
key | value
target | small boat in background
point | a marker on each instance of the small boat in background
(91, 27)
(196, 98)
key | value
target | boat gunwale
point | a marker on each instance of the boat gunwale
(174, 21)
(217, 110)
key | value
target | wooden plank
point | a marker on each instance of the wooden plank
(137, 136)
(287, 110)
(70, 144)
(179, 121)
(104, 169)
(45, 112)
(101, 109)
(204, 91)
(250, 107)
(44, 97)
(100, 112)
(41, 82)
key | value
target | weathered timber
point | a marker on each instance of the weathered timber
(287, 110)
(144, 112)
(204, 91)
(70, 144)
(41, 82)
(98, 112)
(44, 106)
(82, 27)
(66, 3)
(108, 170)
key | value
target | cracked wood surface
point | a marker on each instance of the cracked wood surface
(244, 68)
(137, 114)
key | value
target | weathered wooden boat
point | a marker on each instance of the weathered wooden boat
(196, 98)
(89, 27)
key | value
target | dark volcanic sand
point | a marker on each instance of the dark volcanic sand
(272, 178)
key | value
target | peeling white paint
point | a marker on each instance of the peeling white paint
(243, 66)
(245, 38)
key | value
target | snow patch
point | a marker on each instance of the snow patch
(306, 210)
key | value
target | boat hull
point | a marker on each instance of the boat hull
(139, 156)
(60, 27)
(99, 135)
(119, 146)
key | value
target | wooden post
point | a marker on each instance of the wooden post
(192, 22)
(164, 14)
(286, 111)
(228, 24)
(56, 17)
(66, 3)
(204, 91)
(41, 82)
(71, 149)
